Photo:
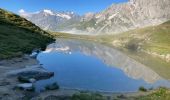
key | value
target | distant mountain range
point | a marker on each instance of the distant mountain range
(51, 20)
(115, 19)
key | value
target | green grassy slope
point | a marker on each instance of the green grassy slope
(19, 36)
(160, 40)
(154, 39)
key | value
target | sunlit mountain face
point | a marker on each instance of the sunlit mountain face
(116, 18)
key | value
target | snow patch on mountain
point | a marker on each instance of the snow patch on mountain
(48, 12)
(64, 16)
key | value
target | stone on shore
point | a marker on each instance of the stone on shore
(26, 86)
(53, 86)
(36, 72)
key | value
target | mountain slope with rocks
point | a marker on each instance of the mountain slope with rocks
(126, 16)
(115, 19)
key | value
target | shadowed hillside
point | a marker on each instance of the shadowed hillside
(19, 36)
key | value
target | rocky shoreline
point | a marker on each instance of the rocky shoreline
(13, 71)
(31, 71)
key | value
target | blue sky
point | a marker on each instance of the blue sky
(78, 6)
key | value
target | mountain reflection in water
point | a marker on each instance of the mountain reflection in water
(109, 56)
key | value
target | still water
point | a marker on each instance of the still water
(90, 66)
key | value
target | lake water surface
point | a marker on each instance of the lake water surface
(90, 66)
